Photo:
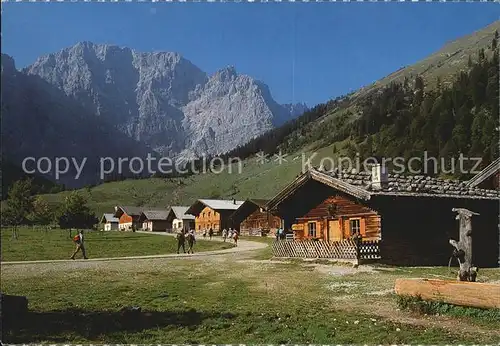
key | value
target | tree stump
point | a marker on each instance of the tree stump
(463, 248)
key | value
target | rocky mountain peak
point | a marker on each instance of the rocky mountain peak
(226, 74)
(162, 98)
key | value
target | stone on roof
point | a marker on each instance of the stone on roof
(417, 184)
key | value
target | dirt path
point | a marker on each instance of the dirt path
(243, 245)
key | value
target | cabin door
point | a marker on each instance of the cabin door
(334, 231)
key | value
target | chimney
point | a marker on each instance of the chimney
(379, 177)
(234, 201)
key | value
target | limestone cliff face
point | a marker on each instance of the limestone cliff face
(163, 99)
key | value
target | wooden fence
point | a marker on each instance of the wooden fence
(345, 249)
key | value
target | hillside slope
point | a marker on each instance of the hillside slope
(444, 64)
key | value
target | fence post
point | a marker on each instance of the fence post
(357, 242)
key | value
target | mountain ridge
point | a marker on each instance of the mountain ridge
(156, 97)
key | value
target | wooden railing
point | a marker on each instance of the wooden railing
(344, 249)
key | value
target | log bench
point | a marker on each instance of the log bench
(463, 293)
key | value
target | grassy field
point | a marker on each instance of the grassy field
(36, 244)
(233, 298)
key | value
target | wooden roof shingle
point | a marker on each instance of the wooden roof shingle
(359, 185)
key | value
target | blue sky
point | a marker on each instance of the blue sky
(305, 52)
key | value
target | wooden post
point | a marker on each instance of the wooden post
(463, 248)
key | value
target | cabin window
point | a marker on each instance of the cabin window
(209, 213)
(312, 229)
(355, 226)
(199, 227)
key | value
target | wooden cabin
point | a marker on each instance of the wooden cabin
(128, 218)
(154, 220)
(411, 216)
(178, 219)
(488, 178)
(109, 222)
(213, 213)
(253, 219)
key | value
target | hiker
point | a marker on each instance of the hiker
(277, 234)
(210, 233)
(230, 235)
(224, 234)
(235, 238)
(181, 240)
(191, 241)
(205, 233)
(78, 240)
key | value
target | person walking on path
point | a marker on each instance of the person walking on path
(224, 234)
(191, 241)
(80, 245)
(210, 233)
(235, 238)
(205, 233)
(181, 240)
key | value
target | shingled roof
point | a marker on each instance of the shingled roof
(179, 212)
(129, 210)
(214, 204)
(359, 185)
(414, 185)
(247, 208)
(154, 215)
(109, 217)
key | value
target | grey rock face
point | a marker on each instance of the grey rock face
(163, 99)
(228, 111)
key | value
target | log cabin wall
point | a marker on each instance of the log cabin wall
(416, 230)
(260, 220)
(159, 225)
(340, 223)
(301, 201)
(208, 218)
(492, 183)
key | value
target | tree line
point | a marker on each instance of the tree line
(23, 208)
